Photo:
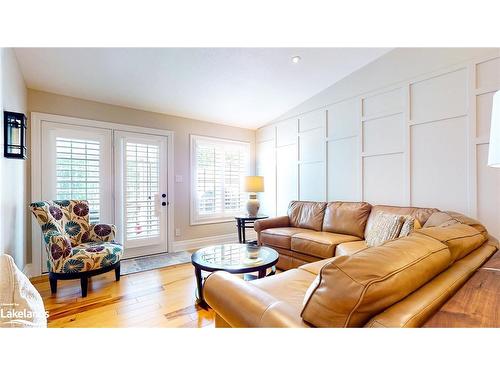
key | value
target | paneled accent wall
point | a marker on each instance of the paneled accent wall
(312, 156)
(422, 142)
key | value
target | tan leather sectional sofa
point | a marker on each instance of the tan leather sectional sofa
(340, 281)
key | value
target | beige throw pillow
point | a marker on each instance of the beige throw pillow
(385, 227)
(409, 225)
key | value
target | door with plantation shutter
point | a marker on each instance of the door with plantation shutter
(141, 192)
(77, 164)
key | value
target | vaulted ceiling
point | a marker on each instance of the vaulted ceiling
(245, 87)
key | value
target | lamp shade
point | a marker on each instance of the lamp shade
(494, 149)
(254, 184)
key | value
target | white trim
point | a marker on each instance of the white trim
(36, 178)
(198, 243)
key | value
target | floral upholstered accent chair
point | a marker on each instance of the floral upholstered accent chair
(75, 248)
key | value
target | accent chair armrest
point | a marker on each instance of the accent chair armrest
(275, 222)
(243, 305)
(102, 232)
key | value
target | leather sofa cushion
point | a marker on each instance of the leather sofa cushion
(440, 219)
(421, 214)
(308, 215)
(352, 289)
(319, 244)
(280, 237)
(349, 248)
(462, 219)
(346, 218)
(419, 306)
(461, 239)
(315, 267)
(287, 286)
(290, 259)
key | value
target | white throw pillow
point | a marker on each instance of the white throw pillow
(385, 227)
(20, 302)
(409, 225)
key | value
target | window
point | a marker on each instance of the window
(217, 170)
(77, 172)
(142, 179)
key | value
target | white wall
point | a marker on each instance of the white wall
(13, 173)
(409, 129)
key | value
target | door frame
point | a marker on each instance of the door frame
(120, 167)
(37, 120)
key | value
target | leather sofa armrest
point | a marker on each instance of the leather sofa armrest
(275, 222)
(243, 305)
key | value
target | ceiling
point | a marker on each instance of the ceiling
(245, 87)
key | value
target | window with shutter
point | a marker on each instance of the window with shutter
(142, 179)
(78, 172)
(217, 167)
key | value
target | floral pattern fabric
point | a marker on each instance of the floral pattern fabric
(71, 242)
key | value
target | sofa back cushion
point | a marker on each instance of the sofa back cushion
(440, 219)
(308, 215)
(346, 218)
(447, 218)
(421, 214)
(352, 289)
(462, 219)
(461, 239)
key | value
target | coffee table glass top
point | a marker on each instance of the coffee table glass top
(234, 257)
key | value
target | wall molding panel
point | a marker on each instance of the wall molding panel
(423, 142)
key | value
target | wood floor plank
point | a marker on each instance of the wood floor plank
(158, 298)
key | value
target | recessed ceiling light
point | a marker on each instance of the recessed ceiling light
(296, 59)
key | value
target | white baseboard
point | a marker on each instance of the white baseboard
(197, 243)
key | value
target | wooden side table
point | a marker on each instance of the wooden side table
(243, 222)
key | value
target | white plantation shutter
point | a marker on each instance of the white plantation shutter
(142, 179)
(78, 172)
(218, 167)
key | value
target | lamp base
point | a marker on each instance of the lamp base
(253, 205)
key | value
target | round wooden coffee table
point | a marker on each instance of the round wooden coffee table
(232, 258)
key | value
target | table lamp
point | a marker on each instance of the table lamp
(494, 149)
(253, 185)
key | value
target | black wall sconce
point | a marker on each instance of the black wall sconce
(14, 125)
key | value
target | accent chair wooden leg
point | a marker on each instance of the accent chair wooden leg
(117, 273)
(53, 284)
(84, 282)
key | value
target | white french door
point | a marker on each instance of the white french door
(77, 164)
(141, 192)
(122, 174)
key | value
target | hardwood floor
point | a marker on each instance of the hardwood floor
(158, 298)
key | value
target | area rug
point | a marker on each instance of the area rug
(152, 262)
